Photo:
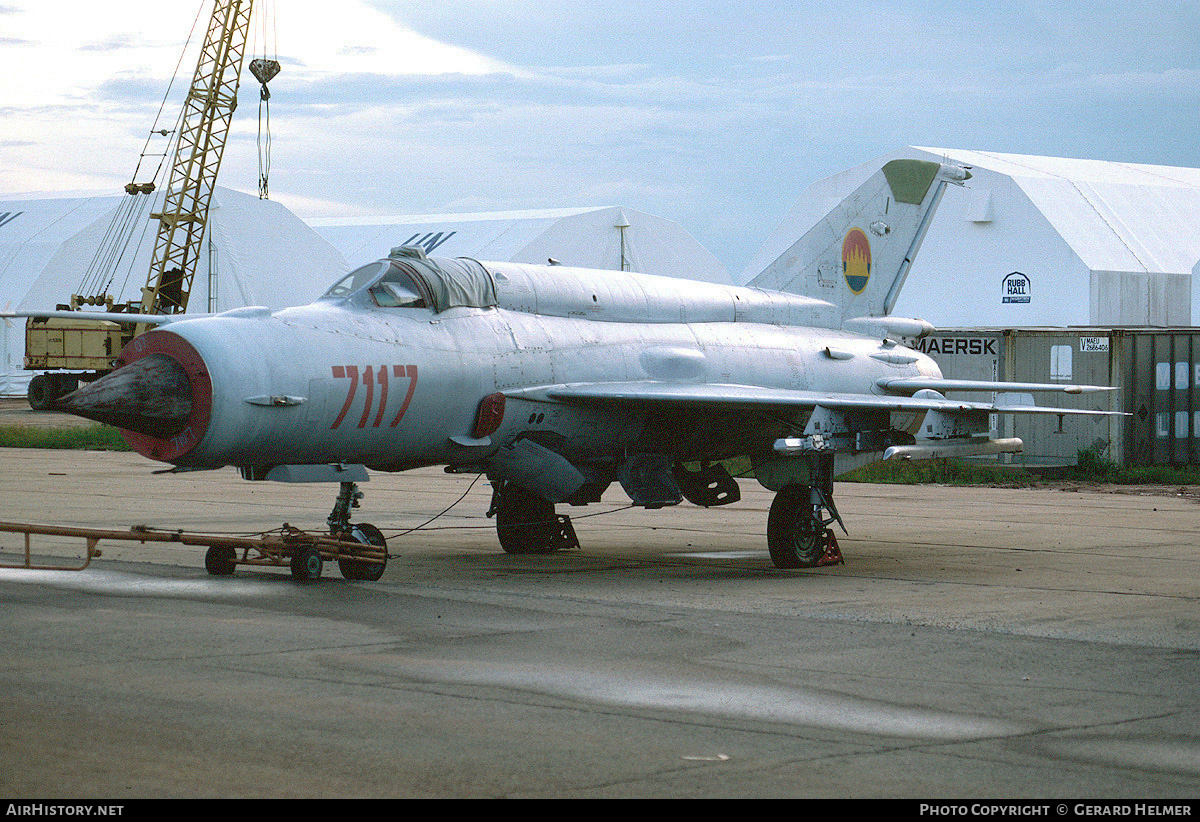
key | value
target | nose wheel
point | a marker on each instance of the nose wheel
(363, 533)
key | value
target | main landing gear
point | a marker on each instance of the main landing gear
(798, 532)
(526, 522)
(798, 525)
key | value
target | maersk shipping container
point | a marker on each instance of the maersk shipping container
(1156, 372)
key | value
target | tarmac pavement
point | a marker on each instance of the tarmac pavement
(978, 642)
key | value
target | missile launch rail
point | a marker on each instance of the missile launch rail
(303, 552)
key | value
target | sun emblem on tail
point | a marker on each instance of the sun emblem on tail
(856, 260)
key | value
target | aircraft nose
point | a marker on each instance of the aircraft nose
(151, 395)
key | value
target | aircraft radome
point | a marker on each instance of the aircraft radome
(557, 382)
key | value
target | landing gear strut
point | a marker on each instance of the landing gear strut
(340, 527)
(798, 532)
(526, 522)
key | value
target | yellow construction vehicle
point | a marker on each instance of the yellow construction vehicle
(62, 347)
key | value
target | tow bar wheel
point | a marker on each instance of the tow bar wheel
(220, 560)
(306, 563)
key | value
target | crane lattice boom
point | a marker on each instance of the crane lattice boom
(204, 127)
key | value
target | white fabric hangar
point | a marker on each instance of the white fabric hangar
(1039, 241)
(609, 237)
(255, 252)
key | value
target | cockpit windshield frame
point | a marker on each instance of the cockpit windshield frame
(383, 283)
(357, 279)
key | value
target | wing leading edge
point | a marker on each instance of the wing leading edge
(652, 393)
(96, 316)
(911, 384)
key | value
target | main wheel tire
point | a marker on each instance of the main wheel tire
(306, 563)
(365, 534)
(525, 522)
(794, 538)
(220, 560)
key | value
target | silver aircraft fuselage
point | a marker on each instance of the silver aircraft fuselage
(345, 380)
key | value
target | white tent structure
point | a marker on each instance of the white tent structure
(607, 237)
(255, 252)
(1039, 241)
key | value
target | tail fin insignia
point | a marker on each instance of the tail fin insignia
(856, 260)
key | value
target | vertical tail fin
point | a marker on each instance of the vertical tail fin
(858, 256)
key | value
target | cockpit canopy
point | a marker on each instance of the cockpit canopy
(409, 279)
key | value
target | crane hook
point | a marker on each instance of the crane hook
(263, 70)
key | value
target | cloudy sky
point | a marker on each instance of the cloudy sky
(715, 114)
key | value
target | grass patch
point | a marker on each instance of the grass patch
(1154, 475)
(1090, 466)
(1094, 467)
(941, 472)
(91, 438)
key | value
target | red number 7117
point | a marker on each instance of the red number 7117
(372, 376)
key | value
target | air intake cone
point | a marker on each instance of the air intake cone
(151, 395)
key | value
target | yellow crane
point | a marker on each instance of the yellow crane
(90, 345)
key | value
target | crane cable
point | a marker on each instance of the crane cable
(264, 69)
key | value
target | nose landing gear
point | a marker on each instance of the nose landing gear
(341, 528)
